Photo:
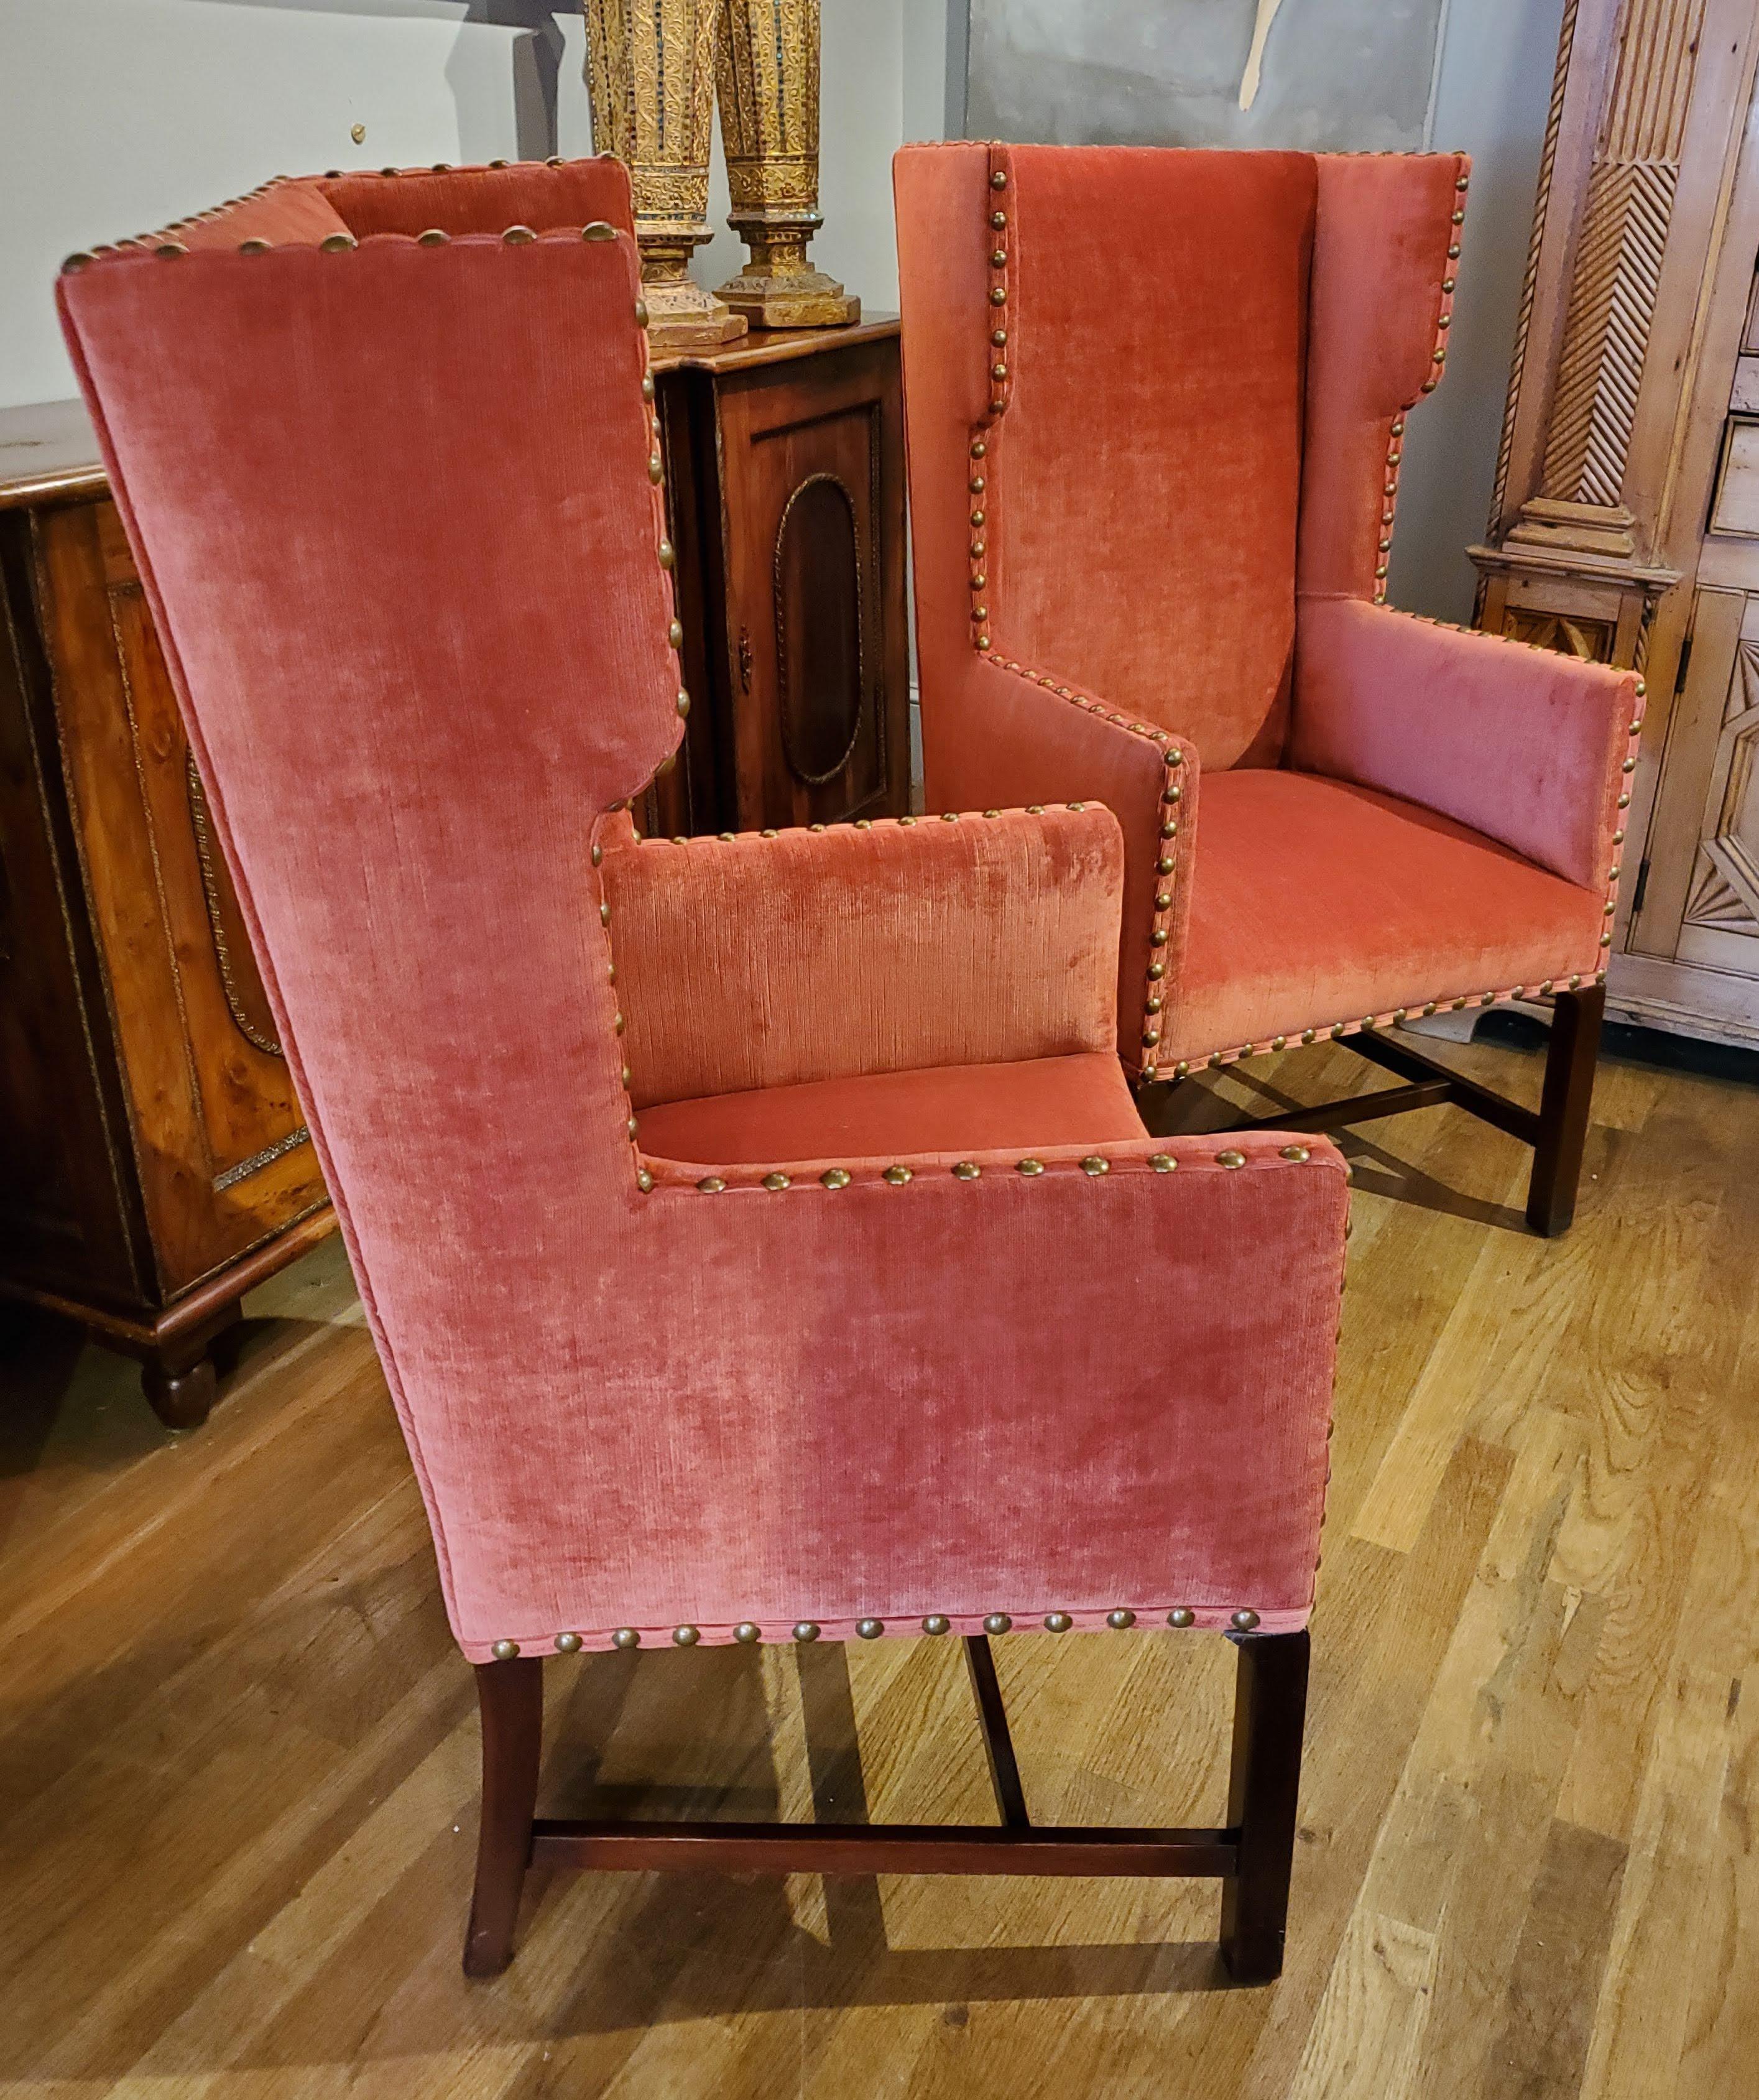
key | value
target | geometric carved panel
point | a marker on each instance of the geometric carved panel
(1726, 889)
(1588, 640)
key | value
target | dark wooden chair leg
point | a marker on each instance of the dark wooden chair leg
(1563, 1108)
(510, 1696)
(1270, 1710)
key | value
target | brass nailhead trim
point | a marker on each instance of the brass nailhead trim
(870, 1629)
(568, 1643)
(773, 1181)
(684, 1636)
(626, 1637)
(1246, 1620)
(997, 1623)
(504, 1651)
(1181, 1615)
(935, 1624)
(836, 1177)
(712, 1185)
(805, 1630)
(1118, 1621)
(1057, 1622)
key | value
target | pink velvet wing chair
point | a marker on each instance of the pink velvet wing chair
(800, 1268)
(1156, 403)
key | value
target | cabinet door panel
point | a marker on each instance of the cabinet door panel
(813, 501)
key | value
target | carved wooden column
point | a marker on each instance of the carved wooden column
(767, 71)
(650, 76)
(1630, 183)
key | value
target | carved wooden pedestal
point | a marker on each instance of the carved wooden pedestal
(784, 459)
(154, 1162)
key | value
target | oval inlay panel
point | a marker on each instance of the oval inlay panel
(818, 628)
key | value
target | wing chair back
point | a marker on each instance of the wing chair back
(397, 513)
(1152, 396)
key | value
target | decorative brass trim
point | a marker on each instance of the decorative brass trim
(801, 772)
(259, 1160)
(223, 954)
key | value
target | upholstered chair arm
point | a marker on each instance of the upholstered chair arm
(1532, 748)
(769, 959)
(1152, 1329)
(1025, 735)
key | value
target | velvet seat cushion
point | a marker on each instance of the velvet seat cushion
(1316, 901)
(1033, 1105)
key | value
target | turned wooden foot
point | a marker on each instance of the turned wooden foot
(180, 1378)
(181, 1395)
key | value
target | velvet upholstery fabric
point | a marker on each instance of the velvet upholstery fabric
(634, 1401)
(1109, 557)
(1002, 1107)
(1522, 744)
(1317, 903)
(751, 962)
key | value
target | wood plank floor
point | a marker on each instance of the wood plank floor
(237, 1750)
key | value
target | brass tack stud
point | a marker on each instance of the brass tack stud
(836, 1177)
(332, 243)
(805, 1630)
(684, 1636)
(598, 856)
(1119, 1621)
(997, 180)
(618, 1024)
(644, 1182)
(773, 1181)
(1029, 1167)
(1093, 1165)
(1295, 1152)
(1246, 1620)
(1156, 971)
(567, 1644)
(1057, 1622)
(711, 1184)
(966, 1170)
(1162, 1163)
(1230, 1158)
(897, 1176)
(516, 236)
(253, 247)
(683, 701)
(935, 1623)
(769, 832)
(745, 1633)
(641, 313)
(599, 229)
(999, 295)
(504, 1651)
(668, 557)
(997, 1623)
(656, 468)
(870, 1629)
(675, 634)
(1181, 1615)
(978, 448)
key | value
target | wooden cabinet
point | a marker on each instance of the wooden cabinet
(154, 1162)
(1626, 524)
(784, 457)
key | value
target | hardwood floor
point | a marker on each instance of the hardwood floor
(237, 1748)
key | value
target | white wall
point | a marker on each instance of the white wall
(117, 116)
